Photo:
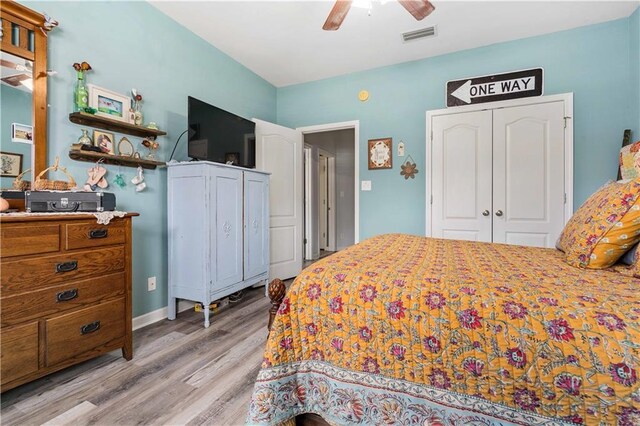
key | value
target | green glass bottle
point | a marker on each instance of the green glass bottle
(80, 94)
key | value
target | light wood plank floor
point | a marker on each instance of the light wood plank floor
(181, 373)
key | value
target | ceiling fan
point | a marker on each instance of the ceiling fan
(420, 9)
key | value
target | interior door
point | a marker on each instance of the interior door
(279, 150)
(461, 176)
(528, 174)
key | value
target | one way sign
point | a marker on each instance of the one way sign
(497, 87)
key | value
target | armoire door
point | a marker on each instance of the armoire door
(226, 233)
(461, 176)
(256, 224)
(528, 174)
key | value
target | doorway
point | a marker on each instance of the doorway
(330, 191)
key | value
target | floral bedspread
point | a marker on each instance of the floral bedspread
(410, 330)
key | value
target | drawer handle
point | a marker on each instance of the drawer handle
(67, 266)
(98, 233)
(65, 296)
(90, 328)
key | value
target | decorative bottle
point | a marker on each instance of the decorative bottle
(80, 95)
(85, 139)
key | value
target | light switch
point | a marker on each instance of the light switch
(365, 185)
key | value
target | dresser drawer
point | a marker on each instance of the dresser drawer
(52, 300)
(19, 356)
(19, 276)
(76, 333)
(90, 234)
(20, 239)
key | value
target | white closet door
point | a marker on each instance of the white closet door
(528, 174)
(461, 176)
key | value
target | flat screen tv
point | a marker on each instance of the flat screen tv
(220, 136)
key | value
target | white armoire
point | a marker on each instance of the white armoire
(218, 231)
(501, 172)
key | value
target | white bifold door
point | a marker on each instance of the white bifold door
(498, 175)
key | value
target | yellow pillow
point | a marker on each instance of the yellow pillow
(604, 227)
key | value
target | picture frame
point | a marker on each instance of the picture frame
(125, 148)
(22, 133)
(380, 153)
(109, 104)
(104, 141)
(232, 158)
(10, 164)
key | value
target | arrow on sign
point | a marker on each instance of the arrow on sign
(463, 92)
(468, 91)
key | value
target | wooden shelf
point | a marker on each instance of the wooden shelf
(104, 123)
(92, 157)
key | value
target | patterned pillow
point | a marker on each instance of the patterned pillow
(630, 161)
(604, 227)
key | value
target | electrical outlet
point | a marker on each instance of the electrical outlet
(151, 283)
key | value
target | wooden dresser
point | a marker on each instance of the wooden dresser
(66, 293)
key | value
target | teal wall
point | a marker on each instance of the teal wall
(592, 62)
(132, 44)
(16, 108)
(634, 61)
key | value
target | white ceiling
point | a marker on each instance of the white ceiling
(283, 41)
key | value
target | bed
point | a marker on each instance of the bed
(403, 329)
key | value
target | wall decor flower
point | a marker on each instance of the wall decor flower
(409, 168)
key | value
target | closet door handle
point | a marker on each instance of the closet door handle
(499, 213)
(486, 213)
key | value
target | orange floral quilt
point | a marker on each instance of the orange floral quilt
(402, 329)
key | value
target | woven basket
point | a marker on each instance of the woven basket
(22, 185)
(41, 184)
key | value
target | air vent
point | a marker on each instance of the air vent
(414, 35)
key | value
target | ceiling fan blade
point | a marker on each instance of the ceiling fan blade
(337, 15)
(420, 9)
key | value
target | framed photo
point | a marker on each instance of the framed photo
(10, 164)
(22, 133)
(232, 158)
(104, 141)
(380, 153)
(109, 104)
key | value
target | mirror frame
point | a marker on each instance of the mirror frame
(30, 20)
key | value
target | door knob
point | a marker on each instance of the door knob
(485, 213)
(499, 213)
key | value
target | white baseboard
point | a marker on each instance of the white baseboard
(159, 314)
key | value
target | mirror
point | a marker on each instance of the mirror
(16, 102)
(23, 54)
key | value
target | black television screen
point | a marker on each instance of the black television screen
(220, 136)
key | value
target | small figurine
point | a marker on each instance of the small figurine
(119, 180)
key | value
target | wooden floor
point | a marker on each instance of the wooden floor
(181, 373)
